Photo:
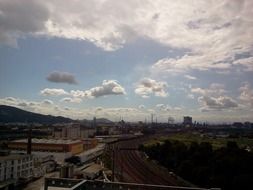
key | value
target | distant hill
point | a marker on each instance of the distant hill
(104, 121)
(10, 114)
(98, 121)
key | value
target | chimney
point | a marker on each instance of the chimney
(29, 141)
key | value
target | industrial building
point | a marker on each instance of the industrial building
(87, 132)
(89, 143)
(61, 149)
(49, 145)
(73, 131)
(91, 154)
(187, 121)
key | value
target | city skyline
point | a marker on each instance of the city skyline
(81, 59)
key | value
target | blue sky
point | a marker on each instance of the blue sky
(128, 59)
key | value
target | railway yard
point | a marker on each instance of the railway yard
(131, 165)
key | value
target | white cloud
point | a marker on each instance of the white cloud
(190, 96)
(20, 18)
(71, 100)
(190, 77)
(161, 106)
(48, 102)
(148, 86)
(78, 93)
(202, 26)
(212, 33)
(217, 104)
(214, 98)
(247, 63)
(215, 89)
(196, 61)
(61, 77)
(141, 107)
(44, 107)
(246, 94)
(10, 99)
(167, 108)
(108, 87)
(53, 92)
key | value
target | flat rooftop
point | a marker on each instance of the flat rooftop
(13, 157)
(48, 141)
(92, 151)
(94, 168)
(72, 184)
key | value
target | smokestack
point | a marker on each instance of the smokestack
(29, 141)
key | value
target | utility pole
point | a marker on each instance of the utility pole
(113, 164)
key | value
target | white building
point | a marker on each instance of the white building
(67, 132)
(15, 166)
(73, 131)
(87, 132)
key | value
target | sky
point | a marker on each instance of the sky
(128, 59)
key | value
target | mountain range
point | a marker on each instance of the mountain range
(9, 114)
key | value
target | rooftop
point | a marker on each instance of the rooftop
(13, 157)
(74, 184)
(49, 141)
(99, 147)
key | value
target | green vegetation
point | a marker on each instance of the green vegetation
(217, 142)
(228, 167)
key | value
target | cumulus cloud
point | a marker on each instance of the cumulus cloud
(187, 62)
(40, 106)
(214, 26)
(141, 107)
(246, 94)
(161, 106)
(148, 86)
(215, 89)
(53, 92)
(61, 77)
(214, 98)
(246, 63)
(71, 100)
(190, 77)
(167, 108)
(190, 96)
(108, 87)
(21, 18)
(217, 104)
(48, 102)
(212, 33)
(49, 107)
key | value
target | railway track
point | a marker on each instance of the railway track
(131, 167)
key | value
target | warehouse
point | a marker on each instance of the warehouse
(61, 149)
(50, 145)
